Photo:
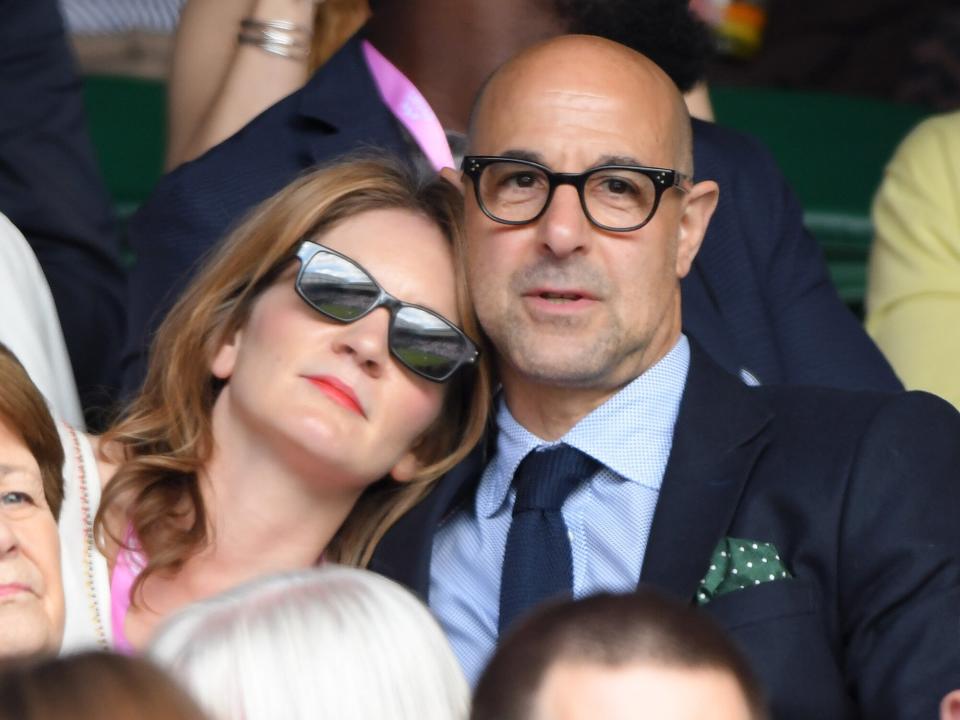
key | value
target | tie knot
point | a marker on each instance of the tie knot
(545, 478)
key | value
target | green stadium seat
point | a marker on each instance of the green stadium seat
(127, 119)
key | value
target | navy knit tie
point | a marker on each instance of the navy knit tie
(537, 564)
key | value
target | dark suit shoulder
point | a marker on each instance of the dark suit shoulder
(721, 149)
(826, 410)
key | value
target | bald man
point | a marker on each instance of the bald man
(817, 526)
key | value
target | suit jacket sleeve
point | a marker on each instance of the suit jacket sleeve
(899, 560)
(51, 189)
(820, 340)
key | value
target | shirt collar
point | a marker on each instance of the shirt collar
(647, 406)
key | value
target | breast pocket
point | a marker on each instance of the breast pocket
(780, 628)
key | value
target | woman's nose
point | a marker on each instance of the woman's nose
(366, 341)
(8, 536)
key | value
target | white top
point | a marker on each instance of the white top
(86, 579)
(30, 326)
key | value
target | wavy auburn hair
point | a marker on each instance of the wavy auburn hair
(165, 436)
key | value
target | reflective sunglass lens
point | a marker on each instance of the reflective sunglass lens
(338, 288)
(426, 343)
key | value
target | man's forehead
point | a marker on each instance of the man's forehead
(518, 98)
(585, 129)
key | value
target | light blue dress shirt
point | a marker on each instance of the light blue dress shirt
(608, 516)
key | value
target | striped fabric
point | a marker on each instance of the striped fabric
(608, 517)
(107, 17)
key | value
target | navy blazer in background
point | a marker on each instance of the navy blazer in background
(338, 111)
(860, 494)
(758, 298)
(51, 189)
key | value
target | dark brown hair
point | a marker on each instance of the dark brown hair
(609, 630)
(90, 685)
(24, 411)
(166, 434)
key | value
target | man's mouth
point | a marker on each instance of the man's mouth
(561, 297)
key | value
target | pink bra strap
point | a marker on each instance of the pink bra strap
(128, 566)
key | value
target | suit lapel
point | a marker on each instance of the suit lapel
(342, 100)
(405, 552)
(718, 437)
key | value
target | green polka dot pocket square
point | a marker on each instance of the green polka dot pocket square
(736, 564)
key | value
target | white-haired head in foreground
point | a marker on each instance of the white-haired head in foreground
(333, 642)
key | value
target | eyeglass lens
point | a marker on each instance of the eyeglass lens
(423, 341)
(617, 198)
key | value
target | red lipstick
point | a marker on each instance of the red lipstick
(338, 391)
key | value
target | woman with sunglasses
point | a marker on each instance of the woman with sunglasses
(305, 391)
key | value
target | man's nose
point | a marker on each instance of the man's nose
(365, 341)
(564, 227)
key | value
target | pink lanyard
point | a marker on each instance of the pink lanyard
(409, 107)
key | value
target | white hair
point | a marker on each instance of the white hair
(332, 642)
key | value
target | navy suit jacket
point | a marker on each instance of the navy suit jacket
(758, 297)
(860, 494)
(51, 189)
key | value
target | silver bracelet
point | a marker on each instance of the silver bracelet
(277, 37)
(282, 25)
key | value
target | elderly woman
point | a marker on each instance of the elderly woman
(307, 389)
(31, 492)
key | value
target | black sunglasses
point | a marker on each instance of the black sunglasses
(619, 198)
(340, 289)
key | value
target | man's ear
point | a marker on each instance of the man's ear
(406, 468)
(454, 177)
(701, 201)
(950, 707)
(225, 358)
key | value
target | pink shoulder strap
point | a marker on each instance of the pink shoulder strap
(128, 566)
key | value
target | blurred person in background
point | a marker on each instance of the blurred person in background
(31, 492)
(618, 657)
(52, 191)
(333, 642)
(759, 297)
(91, 685)
(306, 391)
(256, 52)
(905, 50)
(913, 283)
(122, 37)
(284, 41)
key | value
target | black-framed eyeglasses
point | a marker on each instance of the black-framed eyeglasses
(340, 289)
(619, 198)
